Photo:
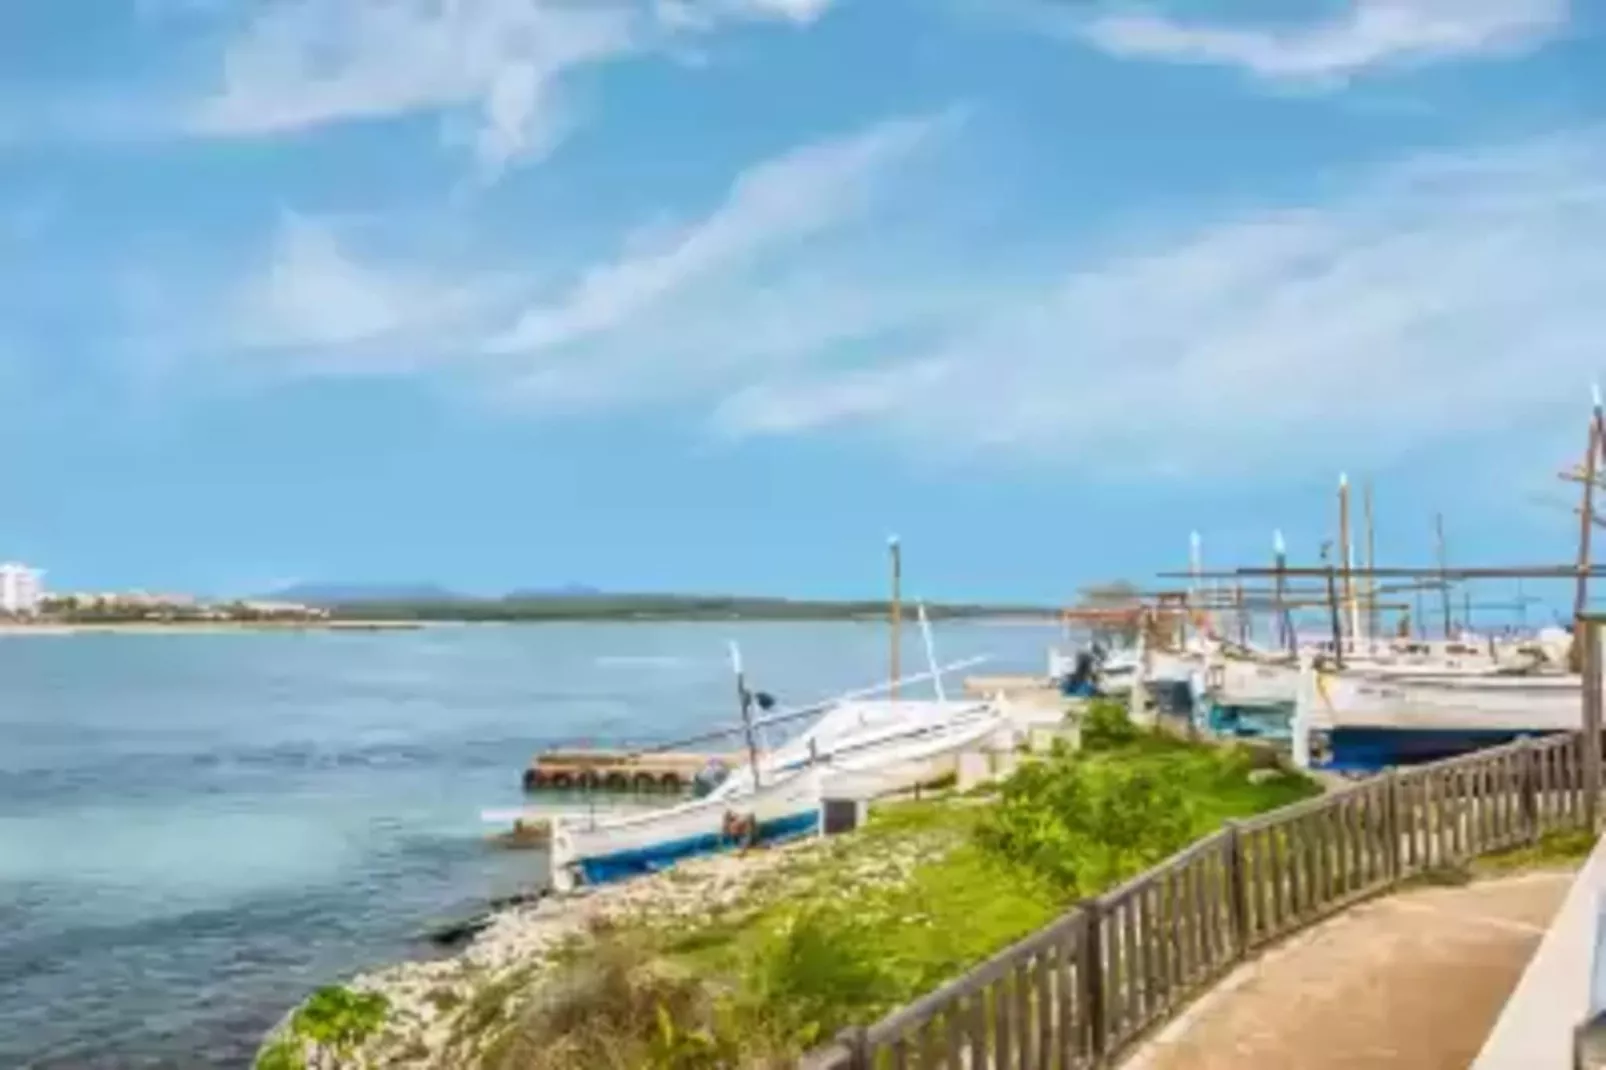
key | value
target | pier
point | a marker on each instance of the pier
(619, 770)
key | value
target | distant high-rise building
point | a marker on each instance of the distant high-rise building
(21, 588)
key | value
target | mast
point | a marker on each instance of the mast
(931, 652)
(1196, 566)
(1585, 527)
(1332, 606)
(1444, 582)
(1285, 624)
(744, 698)
(1371, 563)
(895, 552)
(1346, 558)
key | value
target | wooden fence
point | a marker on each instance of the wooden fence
(1080, 992)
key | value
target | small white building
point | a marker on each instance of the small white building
(21, 588)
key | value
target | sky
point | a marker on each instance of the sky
(716, 295)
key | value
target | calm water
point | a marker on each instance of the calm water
(196, 830)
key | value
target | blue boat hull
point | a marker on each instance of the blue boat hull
(1253, 722)
(623, 865)
(1369, 750)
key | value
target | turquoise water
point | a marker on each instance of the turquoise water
(196, 830)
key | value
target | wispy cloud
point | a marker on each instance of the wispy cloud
(1446, 297)
(749, 283)
(779, 201)
(1369, 35)
(300, 64)
(315, 306)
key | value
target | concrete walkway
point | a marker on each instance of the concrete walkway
(1414, 980)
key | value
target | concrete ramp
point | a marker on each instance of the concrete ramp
(1535, 1029)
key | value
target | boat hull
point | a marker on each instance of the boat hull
(640, 861)
(607, 850)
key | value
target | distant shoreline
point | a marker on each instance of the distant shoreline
(153, 627)
(225, 627)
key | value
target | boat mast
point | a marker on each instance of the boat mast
(1332, 605)
(1285, 623)
(895, 552)
(1371, 563)
(931, 652)
(1196, 566)
(1585, 526)
(745, 698)
(1444, 580)
(1346, 560)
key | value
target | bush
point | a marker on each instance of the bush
(340, 1019)
(1106, 726)
(1084, 824)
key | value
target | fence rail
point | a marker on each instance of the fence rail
(1080, 992)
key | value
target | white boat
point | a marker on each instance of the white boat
(855, 725)
(600, 851)
(884, 758)
(894, 766)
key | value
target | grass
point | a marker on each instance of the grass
(865, 923)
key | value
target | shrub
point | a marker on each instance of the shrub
(1084, 824)
(339, 1019)
(1106, 726)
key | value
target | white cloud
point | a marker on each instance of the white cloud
(299, 64)
(772, 204)
(1370, 34)
(320, 308)
(1445, 297)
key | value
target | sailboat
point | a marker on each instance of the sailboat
(778, 796)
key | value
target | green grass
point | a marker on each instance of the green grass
(867, 922)
(1554, 850)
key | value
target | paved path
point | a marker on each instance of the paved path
(1413, 981)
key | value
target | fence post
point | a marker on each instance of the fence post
(1528, 788)
(1393, 850)
(856, 1039)
(1093, 980)
(1236, 890)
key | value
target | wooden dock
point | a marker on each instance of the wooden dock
(619, 770)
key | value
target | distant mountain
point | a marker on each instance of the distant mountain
(351, 594)
(569, 590)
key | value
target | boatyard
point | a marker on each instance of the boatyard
(1202, 769)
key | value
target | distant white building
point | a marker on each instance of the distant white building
(21, 588)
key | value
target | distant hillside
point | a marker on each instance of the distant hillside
(570, 590)
(353, 594)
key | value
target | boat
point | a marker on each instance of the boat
(853, 726)
(1362, 722)
(776, 796)
(883, 759)
(600, 851)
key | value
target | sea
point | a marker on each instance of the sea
(196, 830)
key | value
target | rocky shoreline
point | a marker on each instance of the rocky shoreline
(444, 1013)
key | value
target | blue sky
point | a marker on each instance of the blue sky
(714, 294)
